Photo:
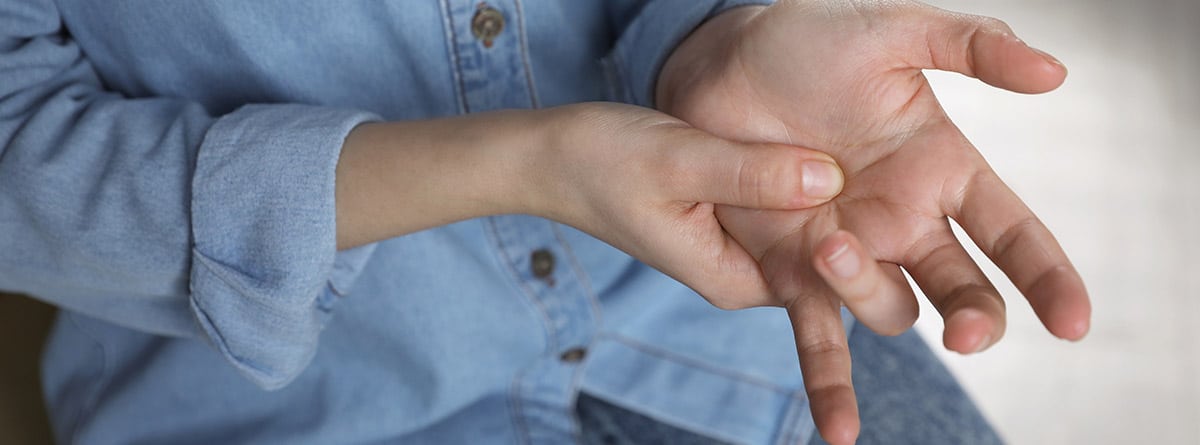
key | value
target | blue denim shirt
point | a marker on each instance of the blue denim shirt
(167, 177)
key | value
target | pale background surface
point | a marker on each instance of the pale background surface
(1111, 163)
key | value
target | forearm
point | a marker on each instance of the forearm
(396, 178)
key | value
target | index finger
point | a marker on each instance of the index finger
(1017, 241)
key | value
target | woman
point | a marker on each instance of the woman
(201, 185)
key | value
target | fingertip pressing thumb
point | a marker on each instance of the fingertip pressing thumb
(821, 180)
(771, 176)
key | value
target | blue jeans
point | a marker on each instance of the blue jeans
(905, 396)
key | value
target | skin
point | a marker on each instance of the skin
(844, 77)
(643, 181)
(729, 218)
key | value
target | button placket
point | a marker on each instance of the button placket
(535, 257)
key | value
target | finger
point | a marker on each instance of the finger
(759, 176)
(1012, 236)
(815, 314)
(969, 303)
(876, 293)
(980, 47)
(825, 363)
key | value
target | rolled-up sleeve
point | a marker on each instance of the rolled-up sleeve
(156, 215)
(263, 222)
(648, 32)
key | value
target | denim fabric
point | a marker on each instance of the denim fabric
(167, 178)
(602, 423)
(905, 396)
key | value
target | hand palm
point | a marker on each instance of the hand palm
(854, 90)
(902, 157)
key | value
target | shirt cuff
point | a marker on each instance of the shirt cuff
(265, 267)
(650, 39)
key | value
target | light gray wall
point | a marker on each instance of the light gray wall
(1112, 164)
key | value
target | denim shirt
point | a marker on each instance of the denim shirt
(167, 178)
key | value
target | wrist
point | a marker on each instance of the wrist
(706, 53)
(554, 161)
(395, 178)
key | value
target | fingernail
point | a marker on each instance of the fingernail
(983, 344)
(1048, 57)
(843, 262)
(821, 179)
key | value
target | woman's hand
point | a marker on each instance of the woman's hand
(636, 178)
(844, 77)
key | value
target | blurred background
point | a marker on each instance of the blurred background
(1111, 162)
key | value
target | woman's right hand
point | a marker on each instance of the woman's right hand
(638, 179)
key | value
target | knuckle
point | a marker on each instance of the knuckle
(963, 295)
(993, 24)
(823, 347)
(670, 166)
(673, 162)
(765, 181)
(1014, 236)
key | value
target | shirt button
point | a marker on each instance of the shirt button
(573, 355)
(542, 263)
(487, 24)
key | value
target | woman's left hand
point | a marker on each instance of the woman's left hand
(844, 77)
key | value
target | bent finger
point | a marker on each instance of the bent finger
(973, 310)
(876, 293)
(1017, 241)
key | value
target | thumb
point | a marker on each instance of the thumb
(980, 47)
(758, 176)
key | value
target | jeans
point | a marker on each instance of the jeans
(905, 396)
